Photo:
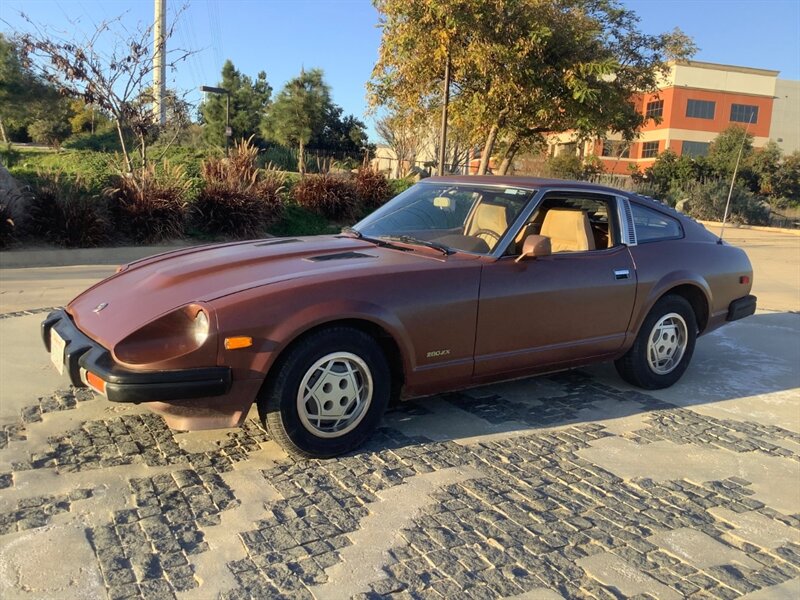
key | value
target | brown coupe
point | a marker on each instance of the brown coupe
(456, 282)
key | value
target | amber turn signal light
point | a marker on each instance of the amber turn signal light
(97, 383)
(240, 341)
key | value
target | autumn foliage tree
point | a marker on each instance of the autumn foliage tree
(521, 69)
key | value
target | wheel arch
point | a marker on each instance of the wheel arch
(693, 288)
(386, 340)
(697, 298)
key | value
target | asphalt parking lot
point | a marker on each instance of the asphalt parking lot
(573, 485)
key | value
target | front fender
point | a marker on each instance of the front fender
(315, 315)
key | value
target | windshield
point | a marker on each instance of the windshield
(456, 216)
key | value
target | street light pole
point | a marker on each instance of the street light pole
(443, 128)
(219, 90)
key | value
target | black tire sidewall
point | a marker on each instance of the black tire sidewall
(642, 372)
(281, 400)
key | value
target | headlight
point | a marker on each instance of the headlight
(172, 335)
(200, 328)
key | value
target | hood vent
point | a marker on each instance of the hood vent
(276, 242)
(339, 256)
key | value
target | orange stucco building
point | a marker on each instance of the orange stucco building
(695, 102)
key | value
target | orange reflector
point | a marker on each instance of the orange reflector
(241, 341)
(744, 279)
(94, 381)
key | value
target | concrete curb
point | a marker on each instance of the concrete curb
(753, 227)
(64, 257)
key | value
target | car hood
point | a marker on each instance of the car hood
(151, 287)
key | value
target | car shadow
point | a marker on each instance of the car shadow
(753, 357)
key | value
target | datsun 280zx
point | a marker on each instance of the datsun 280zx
(456, 282)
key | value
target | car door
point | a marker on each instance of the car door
(568, 307)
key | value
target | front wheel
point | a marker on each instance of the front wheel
(327, 394)
(663, 347)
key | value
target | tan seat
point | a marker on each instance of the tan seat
(569, 230)
(489, 219)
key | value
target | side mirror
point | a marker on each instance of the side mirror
(535, 245)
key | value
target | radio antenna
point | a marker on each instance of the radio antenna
(733, 179)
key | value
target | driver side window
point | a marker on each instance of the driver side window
(573, 222)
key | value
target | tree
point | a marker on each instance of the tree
(521, 69)
(403, 137)
(110, 68)
(785, 183)
(23, 96)
(86, 118)
(52, 127)
(249, 100)
(723, 152)
(670, 172)
(298, 112)
(340, 134)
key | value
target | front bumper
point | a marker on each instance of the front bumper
(83, 355)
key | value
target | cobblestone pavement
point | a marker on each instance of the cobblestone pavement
(570, 485)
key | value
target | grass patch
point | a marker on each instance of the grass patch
(297, 221)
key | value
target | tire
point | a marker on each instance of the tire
(346, 386)
(651, 362)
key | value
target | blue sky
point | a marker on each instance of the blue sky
(341, 37)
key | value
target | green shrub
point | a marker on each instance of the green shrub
(94, 170)
(372, 188)
(296, 220)
(332, 196)
(707, 202)
(50, 130)
(9, 156)
(570, 166)
(59, 210)
(398, 186)
(150, 204)
(280, 157)
(238, 199)
(102, 141)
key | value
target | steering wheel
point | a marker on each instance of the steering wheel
(487, 232)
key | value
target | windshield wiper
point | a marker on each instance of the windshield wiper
(372, 240)
(407, 239)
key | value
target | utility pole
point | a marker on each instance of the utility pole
(159, 64)
(443, 128)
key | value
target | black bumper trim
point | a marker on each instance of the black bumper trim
(741, 308)
(125, 385)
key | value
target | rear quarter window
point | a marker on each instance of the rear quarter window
(652, 226)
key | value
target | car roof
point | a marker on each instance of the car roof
(519, 181)
(540, 182)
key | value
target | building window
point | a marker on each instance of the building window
(694, 148)
(654, 109)
(700, 109)
(744, 113)
(649, 149)
(616, 149)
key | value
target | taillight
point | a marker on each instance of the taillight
(744, 279)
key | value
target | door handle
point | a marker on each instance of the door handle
(622, 274)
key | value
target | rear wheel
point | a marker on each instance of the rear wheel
(327, 394)
(664, 346)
